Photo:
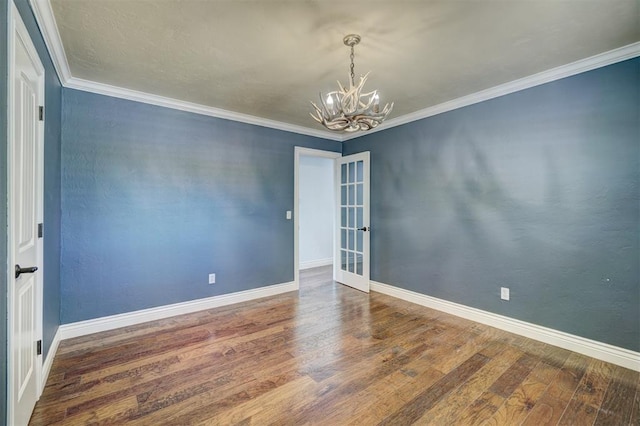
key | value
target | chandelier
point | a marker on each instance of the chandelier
(348, 109)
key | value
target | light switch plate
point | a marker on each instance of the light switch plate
(504, 293)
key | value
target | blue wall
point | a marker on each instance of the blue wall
(52, 188)
(4, 4)
(537, 191)
(155, 199)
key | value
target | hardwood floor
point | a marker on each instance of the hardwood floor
(329, 355)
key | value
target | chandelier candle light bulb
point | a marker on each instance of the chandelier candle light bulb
(348, 109)
(330, 104)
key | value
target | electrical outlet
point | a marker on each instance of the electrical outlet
(212, 278)
(288, 214)
(504, 293)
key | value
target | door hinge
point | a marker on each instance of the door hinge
(41, 113)
(39, 347)
(40, 230)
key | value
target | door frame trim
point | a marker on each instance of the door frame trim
(298, 152)
(18, 30)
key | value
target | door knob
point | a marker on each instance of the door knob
(364, 228)
(29, 270)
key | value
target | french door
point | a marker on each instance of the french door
(351, 256)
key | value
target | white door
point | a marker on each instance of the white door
(351, 262)
(25, 212)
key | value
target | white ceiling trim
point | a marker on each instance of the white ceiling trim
(147, 98)
(46, 20)
(580, 66)
(47, 23)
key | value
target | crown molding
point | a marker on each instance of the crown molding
(46, 21)
(147, 98)
(577, 67)
(49, 29)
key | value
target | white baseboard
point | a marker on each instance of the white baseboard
(81, 328)
(48, 361)
(316, 263)
(603, 351)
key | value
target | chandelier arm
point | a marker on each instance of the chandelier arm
(363, 112)
(341, 125)
(316, 118)
(370, 121)
(318, 111)
(358, 89)
(365, 106)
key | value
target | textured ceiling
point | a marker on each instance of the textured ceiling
(269, 58)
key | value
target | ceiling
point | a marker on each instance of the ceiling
(268, 59)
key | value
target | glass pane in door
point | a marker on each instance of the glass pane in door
(351, 217)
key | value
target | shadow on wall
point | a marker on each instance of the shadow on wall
(459, 194)
(536, 191)
(460, 215)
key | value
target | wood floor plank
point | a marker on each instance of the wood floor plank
(617, 405)
(171, 380)
(551, 406)
(481, 409)
(387, 395)
(518, 405)
(206, 402)
(421, 376)
(113, 413)
(447, 410)
(417, 407)
(544, 373)
(355, 380)
(635, 411)
(372, 402)
(258, 342)
(262, 410)
(511, 379)
(328, 354)
(460, 352)
(583, 407)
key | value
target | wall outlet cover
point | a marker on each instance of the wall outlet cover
(212, 278)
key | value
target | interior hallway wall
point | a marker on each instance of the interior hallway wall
(317, 204)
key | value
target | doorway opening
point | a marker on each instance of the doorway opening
(314, 209)
(316, 200)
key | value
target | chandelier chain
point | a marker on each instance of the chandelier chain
(353, 74)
